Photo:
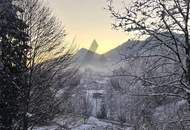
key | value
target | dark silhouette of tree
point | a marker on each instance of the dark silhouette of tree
(14, 51)
(49, 59)
(33, 56)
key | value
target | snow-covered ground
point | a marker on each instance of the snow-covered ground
(91, 124)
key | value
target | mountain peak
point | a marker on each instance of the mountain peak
(94, 41)
(94, 46)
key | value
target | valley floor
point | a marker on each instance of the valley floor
(79, 123)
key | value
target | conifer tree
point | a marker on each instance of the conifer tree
(14, 64)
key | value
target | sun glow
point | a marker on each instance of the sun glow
(86, 20)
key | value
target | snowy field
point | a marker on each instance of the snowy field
(91, 124)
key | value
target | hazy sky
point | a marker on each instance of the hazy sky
(88, 20)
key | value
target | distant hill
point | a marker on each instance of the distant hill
(113, 58)
(89, 59)
(119, 53)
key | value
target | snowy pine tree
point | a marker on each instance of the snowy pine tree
(13, 59)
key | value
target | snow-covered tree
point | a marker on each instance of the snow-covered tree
(167, 22)
(164, 57)
(14, 52)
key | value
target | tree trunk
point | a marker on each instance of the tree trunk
(188, 78)
(25, 122)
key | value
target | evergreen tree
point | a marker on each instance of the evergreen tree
(14, 64)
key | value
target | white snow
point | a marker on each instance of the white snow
(84, 127)
(46, 128)
(96, 122)
(91, 124)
